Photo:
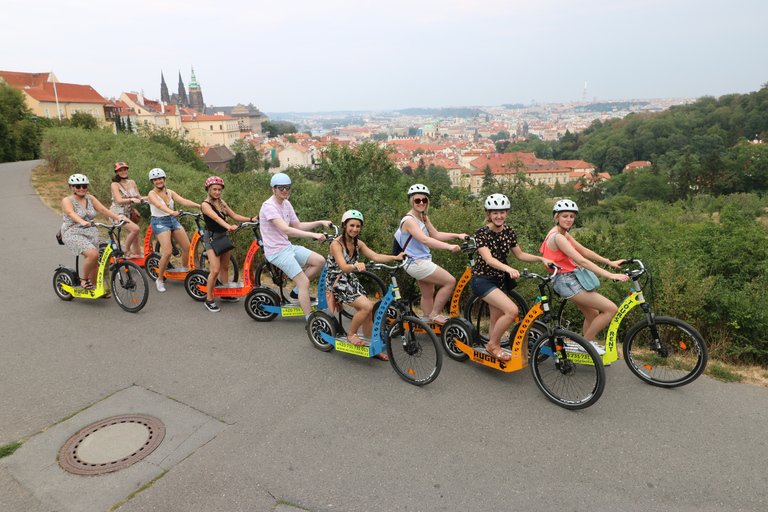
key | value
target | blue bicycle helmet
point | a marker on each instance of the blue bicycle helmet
(280, 179)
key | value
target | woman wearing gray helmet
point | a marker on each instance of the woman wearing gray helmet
(416, 235)
(568, 254)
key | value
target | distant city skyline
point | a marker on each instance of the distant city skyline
(341, 55)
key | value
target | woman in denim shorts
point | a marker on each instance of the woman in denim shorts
(416, 235)
(568, 254)
(491, 273)
(164, 223)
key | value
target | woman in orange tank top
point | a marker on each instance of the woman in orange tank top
(568, 254)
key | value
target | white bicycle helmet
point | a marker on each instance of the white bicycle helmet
(497, 202)
(280, 179)
(78, 179)
(156, 173)
(351, 214)
(418, 189)
(565, 205)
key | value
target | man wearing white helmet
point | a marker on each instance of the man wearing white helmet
(569, 255)
(278, 221)
(416, 235)
(492, 277)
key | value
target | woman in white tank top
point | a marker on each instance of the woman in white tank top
(164, 223)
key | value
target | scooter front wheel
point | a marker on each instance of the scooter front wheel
(129, 286)
(414, 351)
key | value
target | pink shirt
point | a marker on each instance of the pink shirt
(273, 239)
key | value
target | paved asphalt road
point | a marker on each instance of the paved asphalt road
(333, 432)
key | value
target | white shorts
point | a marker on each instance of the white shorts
(421, 270)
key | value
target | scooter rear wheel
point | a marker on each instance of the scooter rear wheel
(261, 297)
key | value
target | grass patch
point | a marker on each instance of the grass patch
(720, 372)
(137, 491)
(9, 449)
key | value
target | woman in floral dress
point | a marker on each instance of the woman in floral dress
(79, 209)
(343, 256)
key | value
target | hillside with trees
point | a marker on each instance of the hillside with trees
(696, 216)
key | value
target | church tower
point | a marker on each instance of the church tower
(164, 96)
(182, 99)
(196, 95)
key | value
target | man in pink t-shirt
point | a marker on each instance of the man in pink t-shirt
(278, 221)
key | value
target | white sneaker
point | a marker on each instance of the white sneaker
(160, 285)
(571, 346)
(600, 349)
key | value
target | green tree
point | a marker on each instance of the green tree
(20, 135)
(276, 129)
(185, 148)
(237, 164)
(83, 120)
(488, 180)
(253, 157)
(557, 190)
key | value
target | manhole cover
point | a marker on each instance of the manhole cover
(111, 444)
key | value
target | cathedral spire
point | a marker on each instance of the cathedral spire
(193, 83)
(196, 95)
(183, 102)
(164, 96)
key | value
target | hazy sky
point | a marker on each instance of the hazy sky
(322, 55)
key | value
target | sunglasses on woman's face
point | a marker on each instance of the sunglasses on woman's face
(283, 188)
(83, 187)
(419, 200)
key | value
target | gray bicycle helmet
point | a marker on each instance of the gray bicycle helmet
(78, 179)
(565, 205)
(497, 202)
(156, 173)
(418, 189)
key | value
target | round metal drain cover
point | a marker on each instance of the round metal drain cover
(111, 444)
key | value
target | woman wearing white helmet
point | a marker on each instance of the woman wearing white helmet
(164, 223)
(416, 235)
(343, 259)
(492, 277)
(79, 209)
(568, 254)
(278, 221)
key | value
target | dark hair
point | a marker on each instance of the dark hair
(344, 237)
(117, 179)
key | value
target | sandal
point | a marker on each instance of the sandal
(498, 353)
(382, 356)
(86, 284)
(351, 339)
(439, 319)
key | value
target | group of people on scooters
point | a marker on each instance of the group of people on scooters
(492, 276)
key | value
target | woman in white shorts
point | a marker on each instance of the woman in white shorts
(416, 235)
